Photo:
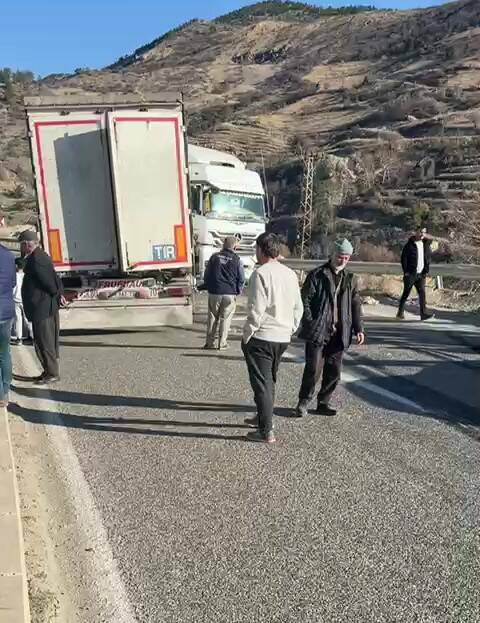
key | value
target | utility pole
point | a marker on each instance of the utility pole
(306, 205)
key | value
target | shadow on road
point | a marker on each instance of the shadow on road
(125, 346)
(153, 427)
(421, 389)
(105, 400)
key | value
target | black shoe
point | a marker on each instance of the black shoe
(260, 437)
(301, 410)
(15, 342)
(401, 315)
(427, 316)
(47, 380)
(28, 342)
(208, 347)
(323, 409)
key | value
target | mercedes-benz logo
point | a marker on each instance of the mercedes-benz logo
(238, 237)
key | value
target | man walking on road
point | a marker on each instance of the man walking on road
(274, 313)
(224, 280)
(332, 314)
(42, 297)
(416, 257)
(7, 312)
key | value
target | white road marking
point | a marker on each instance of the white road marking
(434, 324)
(105, 572)
(239, 318)
(348, 378)
(294, 358)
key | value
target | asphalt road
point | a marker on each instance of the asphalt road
(372, 516)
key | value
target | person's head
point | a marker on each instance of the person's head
(28, 242)
(230, 243)
(20, 264)
(342, 253)
(268, 248)
(420, 233)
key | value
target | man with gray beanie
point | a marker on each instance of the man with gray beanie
(224, 280)
(42, 296)
(332, 315)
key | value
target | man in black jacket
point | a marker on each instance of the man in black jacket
(416, 257)
(42, 296)
(332, 314)
(224, 280)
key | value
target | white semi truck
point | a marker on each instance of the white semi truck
(111, 176)
(227, 199)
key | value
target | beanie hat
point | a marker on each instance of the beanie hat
(344, 247)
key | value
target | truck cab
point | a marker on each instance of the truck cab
(227, 199)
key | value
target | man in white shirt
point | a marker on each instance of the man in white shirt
(274, 313)
(416, 265)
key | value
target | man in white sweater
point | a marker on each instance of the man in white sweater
(274, 313)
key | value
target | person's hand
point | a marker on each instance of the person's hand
(360, 339)
(63, 301)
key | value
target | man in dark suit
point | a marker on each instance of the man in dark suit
(42, 296)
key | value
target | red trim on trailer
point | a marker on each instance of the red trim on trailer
(97, 122)
(43, 182)
(176, 124)
(76, 122)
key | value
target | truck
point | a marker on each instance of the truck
(111, 178)
(227, 199)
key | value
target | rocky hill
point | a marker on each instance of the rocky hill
(388, 100)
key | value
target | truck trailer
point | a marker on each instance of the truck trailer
(111, 176)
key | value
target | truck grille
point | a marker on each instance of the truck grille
(246, 243)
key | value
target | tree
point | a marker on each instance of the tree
(9, 92)
(24, 77)
(465, 228)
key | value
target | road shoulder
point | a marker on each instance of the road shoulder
(14, 604)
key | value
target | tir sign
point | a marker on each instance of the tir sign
(164, 252)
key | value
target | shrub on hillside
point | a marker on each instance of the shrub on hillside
(419, 106)
(18, 192)
(368, 252)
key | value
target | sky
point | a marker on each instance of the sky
(57, 36)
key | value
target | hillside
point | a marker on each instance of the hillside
(389, 100)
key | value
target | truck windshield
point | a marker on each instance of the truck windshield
(238, 206)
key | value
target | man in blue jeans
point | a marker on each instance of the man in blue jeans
(7, 312)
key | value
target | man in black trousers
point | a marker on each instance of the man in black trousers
(42, 296)
(416, 257)
(332, 315)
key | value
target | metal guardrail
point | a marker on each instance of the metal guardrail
(461, 271)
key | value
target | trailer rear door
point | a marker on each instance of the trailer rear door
(72, 170)
(150, 188)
